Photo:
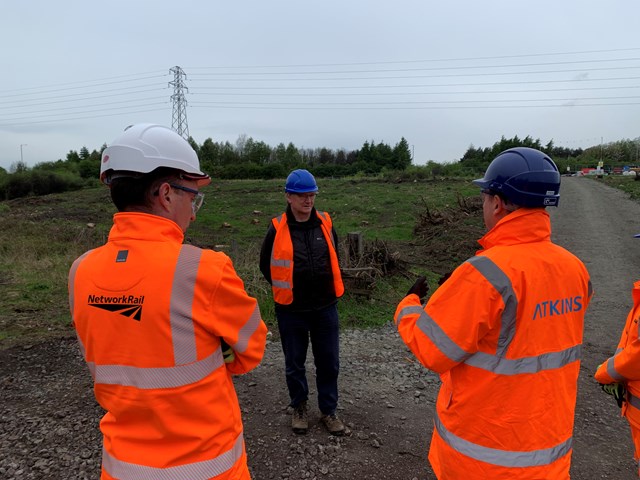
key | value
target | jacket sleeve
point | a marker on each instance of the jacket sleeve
(265, 253)
(451, 326)
(238, 321)
(625, 364)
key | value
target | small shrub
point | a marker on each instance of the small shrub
(17, 185)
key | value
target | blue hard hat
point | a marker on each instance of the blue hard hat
(300, 181)
(525, 176)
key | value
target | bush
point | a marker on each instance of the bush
(44, 183)
(37, 182)
(15, 185)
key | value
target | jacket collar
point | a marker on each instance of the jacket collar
(144, 226)
(525, 225)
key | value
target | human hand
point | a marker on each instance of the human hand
(420, 287)
(618, 391)
(227, 352)
(444, 278)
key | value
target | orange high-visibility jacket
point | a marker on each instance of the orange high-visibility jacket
(505, 334)
(282, 259)
(624, 366)
(149, 313)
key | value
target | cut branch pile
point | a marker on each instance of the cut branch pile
(376, 261)
(449, 236)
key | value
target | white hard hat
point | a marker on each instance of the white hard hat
(144, 147)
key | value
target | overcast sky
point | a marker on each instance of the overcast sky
(331, 73)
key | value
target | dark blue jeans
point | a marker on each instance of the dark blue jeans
(323, 328)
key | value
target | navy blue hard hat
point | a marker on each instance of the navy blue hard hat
(300, 181)
(525, 176)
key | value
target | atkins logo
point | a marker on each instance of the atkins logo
(125, 305)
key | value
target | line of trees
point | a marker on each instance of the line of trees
(249, 158)
(612, 154)
(483, 156)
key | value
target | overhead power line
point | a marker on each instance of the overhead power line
(37, 120)
(459, 67)
(442, 75)
(80, 83)
(478, 82)
(443, 107)
(75, 88)
(432, 60)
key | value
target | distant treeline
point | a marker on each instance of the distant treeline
(249, 158)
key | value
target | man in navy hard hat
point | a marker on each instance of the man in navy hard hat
(299, 258)
(504, 332)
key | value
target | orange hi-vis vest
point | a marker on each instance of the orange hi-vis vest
(282, 259)
(624, 365)
(149, 314)
(505, 334)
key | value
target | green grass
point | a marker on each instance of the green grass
(378, 209)
(626, 183)
(41, 236)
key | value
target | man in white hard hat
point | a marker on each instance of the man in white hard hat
(163, 325)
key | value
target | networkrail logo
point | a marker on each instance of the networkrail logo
(125, 305)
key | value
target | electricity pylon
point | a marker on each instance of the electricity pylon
(179, 117)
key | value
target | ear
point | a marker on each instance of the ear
(288, 197)
(498, 207)
(165, 199)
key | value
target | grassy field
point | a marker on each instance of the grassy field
(625, 183)
(41, 236)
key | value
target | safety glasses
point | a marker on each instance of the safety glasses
(198, 198)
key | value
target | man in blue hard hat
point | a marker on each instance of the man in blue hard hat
(504, 332)
(299, 259)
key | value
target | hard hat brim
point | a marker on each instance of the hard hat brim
(203, 180)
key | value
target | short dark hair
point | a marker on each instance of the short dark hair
(509, 205)
(134, 193)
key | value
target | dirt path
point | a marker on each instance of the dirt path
(597, 223)
(48, 418)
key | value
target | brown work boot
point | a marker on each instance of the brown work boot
(299, 420)
(333, 424)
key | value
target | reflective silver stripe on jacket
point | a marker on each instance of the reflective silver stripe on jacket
(633, 400)
(248, 330)
(181, 305)
(611, 369)
(503, 458)
(432, 330)
(72, 279)
(279, 284)
(202, 470)
(158, 377)
(72, 296)
(485, 361)
(545, 361)
(495, 363)
(280, 263)
(502, 284)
